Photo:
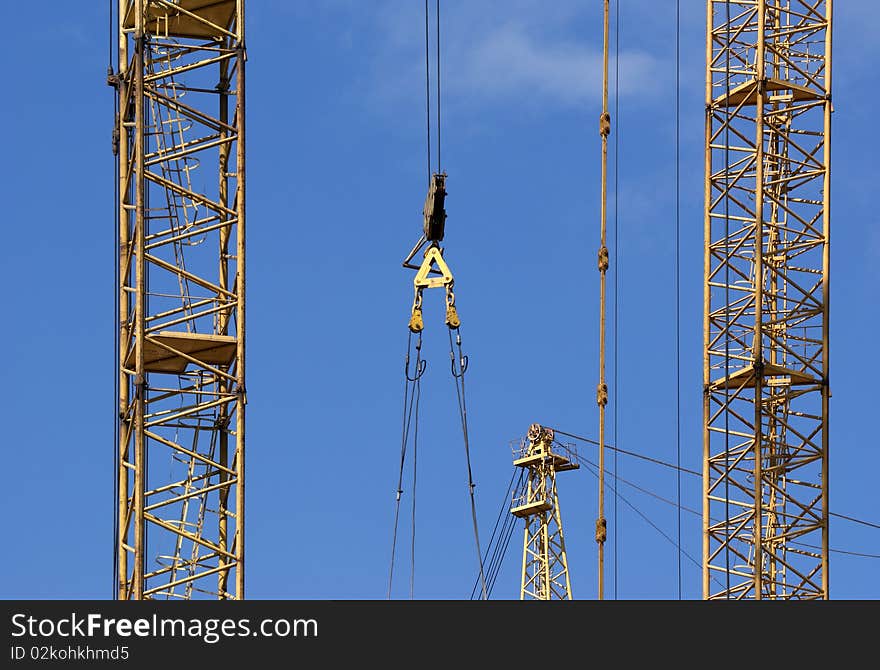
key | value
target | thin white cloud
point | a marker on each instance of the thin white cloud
(534, 54)
(512, 62)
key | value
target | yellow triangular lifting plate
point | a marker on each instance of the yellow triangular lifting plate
(432, 256)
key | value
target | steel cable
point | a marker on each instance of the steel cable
(410, 404)
(628, 453)
(688, 471)
(458, 378)
(616, 327)
(496, 551)
(412, 564)
(490, 544)
(698, 513)
(116, 324)
(439, 164)
(428, 89)
(678, 277)
(643, 516)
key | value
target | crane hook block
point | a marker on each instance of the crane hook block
(434, 212)
(415, 321)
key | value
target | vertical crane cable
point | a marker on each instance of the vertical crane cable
(458, 378)
(616, 264)
(410, 413)
(428, 89)
(439, 168)
(116, 272)
(678, 281)
(412, 554)
(602, 397)
(416, 391)
(418, 388)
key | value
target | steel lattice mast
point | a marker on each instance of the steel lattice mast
(545, 564)
(180, 143)
(765, 471)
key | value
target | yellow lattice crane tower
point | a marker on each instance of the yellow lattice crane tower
(179, 138)
(545, 564)
(765, 466)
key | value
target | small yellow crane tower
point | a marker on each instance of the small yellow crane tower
(545, 565)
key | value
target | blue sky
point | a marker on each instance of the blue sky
(336, 169)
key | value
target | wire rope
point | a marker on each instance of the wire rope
(645, 517)
(698, 513)
(116, 273)
(412, 563)
(458, 378)
(657, 461)
(439, 163)
(489, 558)
(410, 411)
(428, 88)
(614, 390)
(678, 277)
(497, 550)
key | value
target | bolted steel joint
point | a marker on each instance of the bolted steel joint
(602, 394)
(603, 258)
(605, 124)
(601, 530)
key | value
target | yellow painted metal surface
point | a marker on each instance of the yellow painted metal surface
(191, 19)
(545, 562)
(181, 322)
(766, 283)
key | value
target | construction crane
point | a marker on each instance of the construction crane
(179, 138)
(545, 563)
(766, 392)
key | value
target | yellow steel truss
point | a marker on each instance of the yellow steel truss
(765, 469)
(180, 132)
(545, 563)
